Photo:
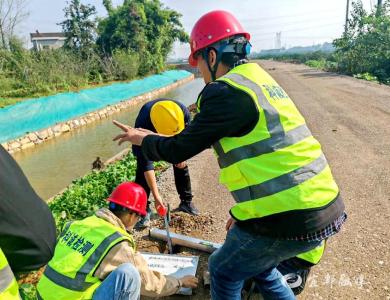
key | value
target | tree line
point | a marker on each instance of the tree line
(363, 51)
(133, 40)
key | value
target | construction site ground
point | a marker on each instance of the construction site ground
(351, 119)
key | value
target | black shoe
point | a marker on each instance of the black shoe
(188, 208)
(144, 222)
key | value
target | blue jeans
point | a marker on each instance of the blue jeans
(124, 283)
(244, 256)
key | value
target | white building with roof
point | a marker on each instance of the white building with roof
(47, 40)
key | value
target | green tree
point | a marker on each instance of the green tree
(143, 27)
(134, 39)
(124, 28)
(365, 46)
(12, 14)
(79, 27)
(108, 5)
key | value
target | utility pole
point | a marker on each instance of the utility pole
(347, 17)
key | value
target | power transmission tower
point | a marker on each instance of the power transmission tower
(278, 40)
(347, 17)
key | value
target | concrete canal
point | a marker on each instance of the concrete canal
(53, 165)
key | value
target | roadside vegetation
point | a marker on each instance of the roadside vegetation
(89, 193)
(363, 51)
(317, 59)
(134, 40)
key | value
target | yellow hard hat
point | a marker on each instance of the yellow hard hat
(167, 117)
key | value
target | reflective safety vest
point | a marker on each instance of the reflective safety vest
(80, 249)
(9, 289)
(278, 166)
(313, 256)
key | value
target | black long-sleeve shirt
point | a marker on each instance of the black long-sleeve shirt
(27, 228)
(224, 112)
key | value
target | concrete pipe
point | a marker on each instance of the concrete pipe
(186, 241)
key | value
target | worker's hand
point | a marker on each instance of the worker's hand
(146, 131)
(193, 108)
(149, 132)
(189, 282)
(181, 165)
(230, 223)
(130, 134)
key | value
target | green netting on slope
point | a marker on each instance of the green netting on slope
(37, 114)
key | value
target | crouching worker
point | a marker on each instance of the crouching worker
(166, 117)
(95, 258)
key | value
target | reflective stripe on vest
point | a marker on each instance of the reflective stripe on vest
(278, 139)
(278, 166)
(78, 283)
(9, 289)
(313, 256)
(269, 145)
(69, 275)
(281, 183)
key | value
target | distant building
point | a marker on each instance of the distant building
(48, 40)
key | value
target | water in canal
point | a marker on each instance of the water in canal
(53, 165)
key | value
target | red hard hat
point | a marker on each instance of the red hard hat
(211, 28)
(131, 196)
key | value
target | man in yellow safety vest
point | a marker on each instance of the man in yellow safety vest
(95, 258)
(287, 201)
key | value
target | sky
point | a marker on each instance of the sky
(302, 22)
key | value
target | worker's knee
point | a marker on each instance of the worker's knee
(123, 283)
(129, 274)
(213, 262)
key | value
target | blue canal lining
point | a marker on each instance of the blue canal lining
(36, 114)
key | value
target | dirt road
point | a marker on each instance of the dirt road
(351, 119)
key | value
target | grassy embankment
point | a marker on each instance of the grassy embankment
(37, 74)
